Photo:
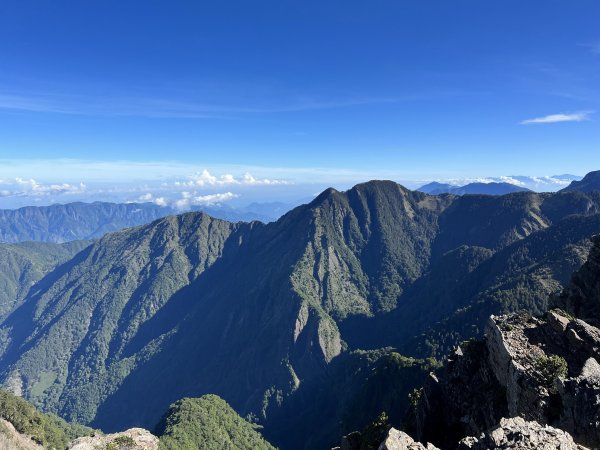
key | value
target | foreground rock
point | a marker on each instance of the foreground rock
(132, 439)
(516, 433)
(11, 439)
(398, 440)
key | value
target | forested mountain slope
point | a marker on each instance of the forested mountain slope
(24, 264)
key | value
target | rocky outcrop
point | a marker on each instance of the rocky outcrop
(393, 440)
(11, 439)
(132, 439)
(398, 440)
(542, 372)
(516, 433)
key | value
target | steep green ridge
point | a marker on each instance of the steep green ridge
(207, 423)
(91, 313)
(190, 305)
(23, 265)
(463, 288)
(46, 430)
(522, 276)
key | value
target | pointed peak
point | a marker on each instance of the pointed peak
(590, 182)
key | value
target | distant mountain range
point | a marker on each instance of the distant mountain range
(472, 188)
(84, 221)
(500, 185)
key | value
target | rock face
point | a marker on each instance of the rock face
(11, 439)
(516, 433)
(543, 372)
(541, 369)
(398, 440)
(132, 439)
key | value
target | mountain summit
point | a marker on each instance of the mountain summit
(589, 183)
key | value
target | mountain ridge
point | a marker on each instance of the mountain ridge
(591, 182)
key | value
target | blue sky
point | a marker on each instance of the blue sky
(129, 96)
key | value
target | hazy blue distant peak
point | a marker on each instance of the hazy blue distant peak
(493, 188)
(525, 182)
(567, 176)
(435, 188)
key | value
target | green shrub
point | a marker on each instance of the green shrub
(374, 433)
(562, 312)
(207, 423)
(44, 429)
(415, 397)
(121, 443)
(550, 368)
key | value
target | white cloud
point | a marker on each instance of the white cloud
(464, 181)
(213, 198)
(148, 197)
(551, 181)
(188, 199)
(511, 180)
(206, 179)
(145, 198)
(579, 116)
(160, 201)
(20, 187)
(250, 180)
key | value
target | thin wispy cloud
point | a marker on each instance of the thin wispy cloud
(177, 107)
(579, 116)
(593, 47)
